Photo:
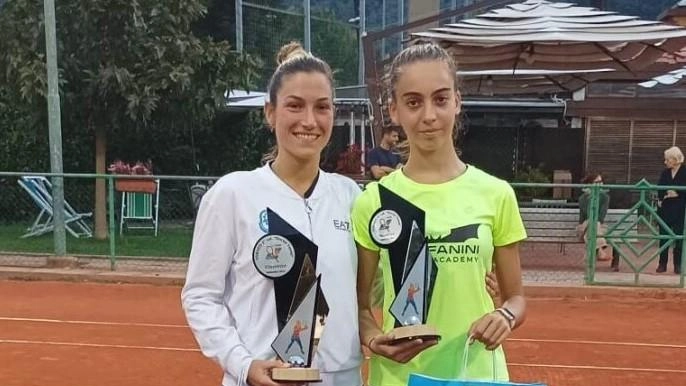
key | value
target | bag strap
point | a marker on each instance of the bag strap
(465, 360)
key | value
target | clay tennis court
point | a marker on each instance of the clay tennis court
(62, 333)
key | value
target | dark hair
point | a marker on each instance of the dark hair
(590, 178)
(419, 53)
(292, 59)
(390, 129)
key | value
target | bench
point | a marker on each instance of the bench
(558, 225)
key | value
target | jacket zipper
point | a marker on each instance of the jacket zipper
(308, 210)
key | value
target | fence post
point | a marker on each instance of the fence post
(592, 233)
(112, 226)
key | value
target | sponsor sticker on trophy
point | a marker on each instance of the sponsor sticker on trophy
(398, 227)
(287, 257)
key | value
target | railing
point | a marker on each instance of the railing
(170, 209)
(553, 254)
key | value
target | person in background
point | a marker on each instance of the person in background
(671, 206)
(602, 248)
(382, 160)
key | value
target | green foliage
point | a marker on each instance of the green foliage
(532, 175)
(170, 242)
(132, 69)
(336, 43)
(266, 30)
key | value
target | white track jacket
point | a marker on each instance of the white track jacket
(230, 307)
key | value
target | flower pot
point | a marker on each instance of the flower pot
(138, 186)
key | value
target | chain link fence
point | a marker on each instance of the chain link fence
(137, 230)
(334, 37)
(554, 253)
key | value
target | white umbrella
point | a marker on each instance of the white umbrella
(240, 100)
(667, 79)
(569, 42)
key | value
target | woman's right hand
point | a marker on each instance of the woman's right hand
(259, 373)
(401, 352)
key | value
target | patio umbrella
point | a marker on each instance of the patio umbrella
(241, 101)
(667, 79)
(570, 45)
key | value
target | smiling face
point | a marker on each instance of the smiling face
(302, 115)
(425, 103)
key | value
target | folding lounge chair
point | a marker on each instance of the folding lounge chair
(40, 190)
(140, 210)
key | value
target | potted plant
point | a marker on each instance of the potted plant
(350, 161)
(532, 175)
(133, 185)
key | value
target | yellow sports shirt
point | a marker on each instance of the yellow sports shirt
(459, 296)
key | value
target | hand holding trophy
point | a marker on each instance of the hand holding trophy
(397, 226)
(289, 258)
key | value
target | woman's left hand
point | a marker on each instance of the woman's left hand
(491, 329)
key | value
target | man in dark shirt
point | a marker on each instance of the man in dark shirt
(382, 160)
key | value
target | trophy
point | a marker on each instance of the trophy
(398, 226)
(290, 259)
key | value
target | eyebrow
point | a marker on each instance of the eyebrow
(414, 93)
(322, 99)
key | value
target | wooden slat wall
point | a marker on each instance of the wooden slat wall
(608, 144)
(626, 151)
(649, 141)
(681, 135)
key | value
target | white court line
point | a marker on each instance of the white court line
(48, 343)
(657, 345)
(562, 341)
(604, 368)
(10, 319)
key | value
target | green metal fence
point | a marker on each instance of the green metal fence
(633, 231)
(153, 231)
(141, 228)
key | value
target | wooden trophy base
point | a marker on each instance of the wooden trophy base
(417, 331)
(296, 375)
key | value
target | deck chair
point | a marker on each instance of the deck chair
(40, 190)
(197, 191)
(140, 210)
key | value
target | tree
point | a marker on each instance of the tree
(125, 67)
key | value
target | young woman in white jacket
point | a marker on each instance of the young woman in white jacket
(229, 306)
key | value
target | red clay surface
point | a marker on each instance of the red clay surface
(60, 333)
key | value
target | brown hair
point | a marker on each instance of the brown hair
(413, 54)
(419, 53)
(590, 177)
(292, 59)
(390, 129)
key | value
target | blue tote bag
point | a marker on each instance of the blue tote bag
(462, 380)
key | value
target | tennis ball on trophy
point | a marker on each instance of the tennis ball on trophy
(296, 361)
(413, 320)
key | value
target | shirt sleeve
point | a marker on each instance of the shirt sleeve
(603, 206)
(214, 245)
(583, 207)
(363, 208)
(508, 227)
(663, 181)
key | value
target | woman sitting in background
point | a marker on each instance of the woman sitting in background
(602, 248)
